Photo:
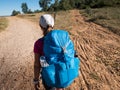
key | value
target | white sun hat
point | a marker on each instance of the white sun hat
(46, 20)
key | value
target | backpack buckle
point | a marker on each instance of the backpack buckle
(64, 49)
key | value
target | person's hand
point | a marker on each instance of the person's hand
(37, 86)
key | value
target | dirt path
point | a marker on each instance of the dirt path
(16, 54)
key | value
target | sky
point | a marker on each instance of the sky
(7, 6)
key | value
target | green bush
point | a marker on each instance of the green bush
(14, 13)
(88, 11)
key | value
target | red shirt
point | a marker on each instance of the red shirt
(38, 46)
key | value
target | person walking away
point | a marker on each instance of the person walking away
(46, 23)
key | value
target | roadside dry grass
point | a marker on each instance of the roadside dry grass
(3, 23)
(108, 17)
(62, 20)
(97, 48)
(31, 17)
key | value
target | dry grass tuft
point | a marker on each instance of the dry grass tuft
(108, 17)
(3, 23)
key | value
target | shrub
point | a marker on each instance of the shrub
(14, 13)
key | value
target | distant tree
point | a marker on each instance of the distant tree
(72, 3)
(78, 4)
(24, 8)
(54, 7)
(29, 11)
(117, 2)
(14, 13)
(65, 4)
(51, 8)
(37, 11)
(44, 4)
(109, 2)
(98, 3)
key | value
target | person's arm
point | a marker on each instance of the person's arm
(37, 66)
(36, 71)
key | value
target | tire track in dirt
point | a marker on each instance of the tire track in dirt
(95, 45)
(16, 54)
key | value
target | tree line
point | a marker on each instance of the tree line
(76, 4)
(57, 5)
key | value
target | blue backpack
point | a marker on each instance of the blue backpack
(63, 65)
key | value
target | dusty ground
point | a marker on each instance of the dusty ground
(16, 56)
(98, 49)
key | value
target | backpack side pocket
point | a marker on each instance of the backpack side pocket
(48, 74)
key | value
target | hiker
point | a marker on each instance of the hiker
(38, 50)
(54, 57)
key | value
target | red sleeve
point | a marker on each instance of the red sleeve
(38, 46)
